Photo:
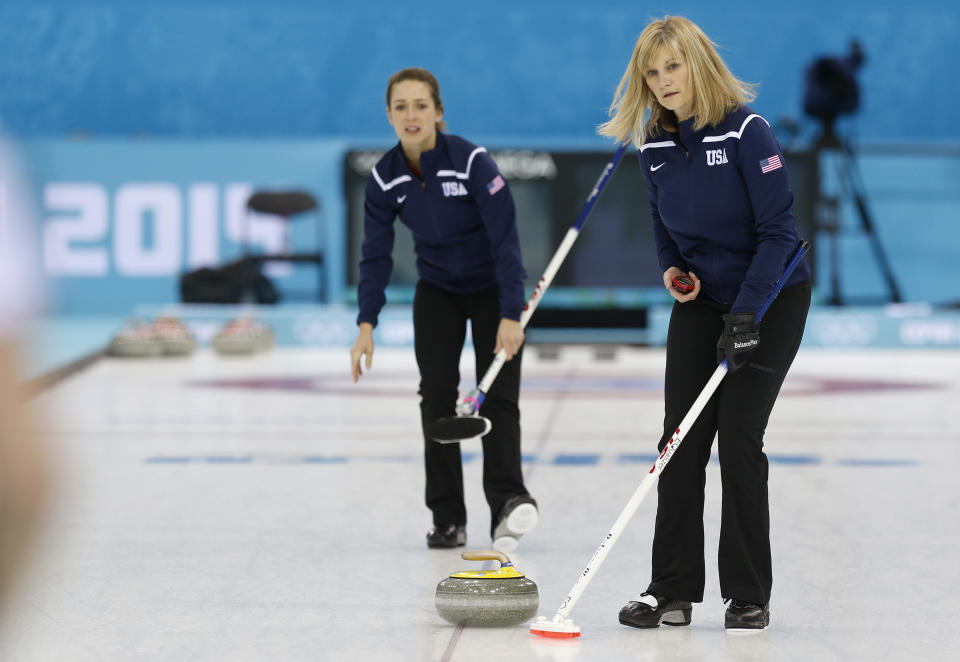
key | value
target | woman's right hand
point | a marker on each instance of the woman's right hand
(363, 345)
(672, 273)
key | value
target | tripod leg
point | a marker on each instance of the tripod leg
(827, 214)
(866, 220)
(835, 298)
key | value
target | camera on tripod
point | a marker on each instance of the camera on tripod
(832, 90)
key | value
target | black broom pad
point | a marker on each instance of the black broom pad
(458, 428)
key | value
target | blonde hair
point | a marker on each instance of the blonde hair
(715, 90)
(424, 76)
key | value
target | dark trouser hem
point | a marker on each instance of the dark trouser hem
(675, 593)
(746, 594)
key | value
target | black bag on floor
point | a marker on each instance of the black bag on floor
(236, 282)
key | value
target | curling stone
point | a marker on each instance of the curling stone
(136, 340)
(488, 597)
(174, 337)
(243, 336)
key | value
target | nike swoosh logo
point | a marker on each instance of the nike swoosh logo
(401, 199)
(654, 168)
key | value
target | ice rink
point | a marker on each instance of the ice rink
(265, 508)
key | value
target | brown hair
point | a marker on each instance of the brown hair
(715, 90)
(424, 76)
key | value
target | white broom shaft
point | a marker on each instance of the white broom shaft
(532, 304)
(640, 494)
(690, 418)
(555, 263)
(598, 556)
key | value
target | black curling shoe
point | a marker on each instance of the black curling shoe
(651, 610)
(746, 616)
(446, 536)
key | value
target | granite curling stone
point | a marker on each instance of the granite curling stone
(488, 597)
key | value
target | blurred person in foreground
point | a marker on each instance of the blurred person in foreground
(723, 221)
(25, 467)
(453, 198)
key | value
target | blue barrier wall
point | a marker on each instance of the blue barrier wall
(533, 68)
(123, 218)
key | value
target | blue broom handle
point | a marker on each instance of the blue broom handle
(475, 398)
(601, 183)
(794, 261)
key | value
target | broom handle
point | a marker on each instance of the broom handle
(475, 398)
(651, 478)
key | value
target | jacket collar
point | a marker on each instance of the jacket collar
(429, 158)
(686, 132)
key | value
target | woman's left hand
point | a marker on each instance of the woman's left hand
(509, 337)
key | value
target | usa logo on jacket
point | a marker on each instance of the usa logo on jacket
(716, 156)
(453, 189)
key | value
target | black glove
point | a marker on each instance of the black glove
(739, 338)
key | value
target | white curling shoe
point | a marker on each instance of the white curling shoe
(518, 516)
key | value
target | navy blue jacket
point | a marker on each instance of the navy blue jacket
(463, 222)
(722, 207)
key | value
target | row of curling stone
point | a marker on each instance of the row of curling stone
(168, 336)
(494, 598)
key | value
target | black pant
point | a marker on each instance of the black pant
(737, 414)
(439, 323)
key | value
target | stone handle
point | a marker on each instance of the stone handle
(486, 555)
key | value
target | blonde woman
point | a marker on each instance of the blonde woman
(724, 228)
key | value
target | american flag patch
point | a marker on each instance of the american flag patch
(496, 184)
(766, 165)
